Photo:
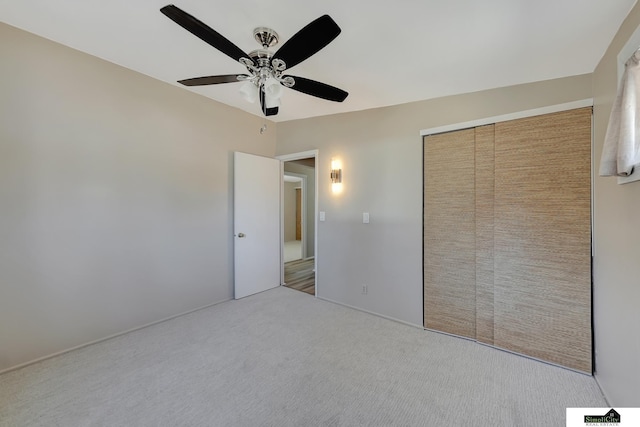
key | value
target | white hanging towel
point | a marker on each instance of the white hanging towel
(621, 151)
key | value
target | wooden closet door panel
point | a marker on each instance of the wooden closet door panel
(542, 301)
(449, 233)
(484, 232)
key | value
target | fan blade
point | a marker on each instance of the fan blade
(212, 80)
(204, 32)
(267, 111)
(320, 90)
(308, 41)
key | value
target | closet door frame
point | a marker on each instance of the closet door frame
(588, 102)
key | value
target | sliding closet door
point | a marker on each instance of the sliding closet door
(542, 289)
(485, 194)
(449, 233)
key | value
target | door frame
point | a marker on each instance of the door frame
(298, 156)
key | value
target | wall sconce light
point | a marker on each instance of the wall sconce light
(336, 176)
(336, 172)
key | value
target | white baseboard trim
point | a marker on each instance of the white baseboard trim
(49, 356)
(413, 325)
(606, 399)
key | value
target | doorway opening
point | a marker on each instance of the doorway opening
(298, 218)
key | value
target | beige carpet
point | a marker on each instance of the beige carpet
(281, 358)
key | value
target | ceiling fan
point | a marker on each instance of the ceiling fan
(265, 79)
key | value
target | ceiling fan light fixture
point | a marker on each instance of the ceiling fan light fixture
(272, 88)
(249, 91)
(271, 102)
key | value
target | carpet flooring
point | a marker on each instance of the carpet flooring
(280, 358)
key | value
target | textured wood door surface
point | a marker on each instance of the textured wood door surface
(449, 233)
(543, 237)
(507, 236)
(484, 215)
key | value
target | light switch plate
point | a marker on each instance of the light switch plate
(365, 217)
(321, 216)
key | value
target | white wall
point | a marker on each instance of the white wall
(115, 197)
(616, 265)
(381, 152)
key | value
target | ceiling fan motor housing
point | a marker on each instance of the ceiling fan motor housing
(262, 57)
(266, 67)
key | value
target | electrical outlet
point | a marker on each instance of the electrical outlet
(365, 289)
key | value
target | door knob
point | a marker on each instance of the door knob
(241, 235)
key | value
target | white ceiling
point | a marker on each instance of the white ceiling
(388, 53)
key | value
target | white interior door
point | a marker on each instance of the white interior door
(256, 224)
